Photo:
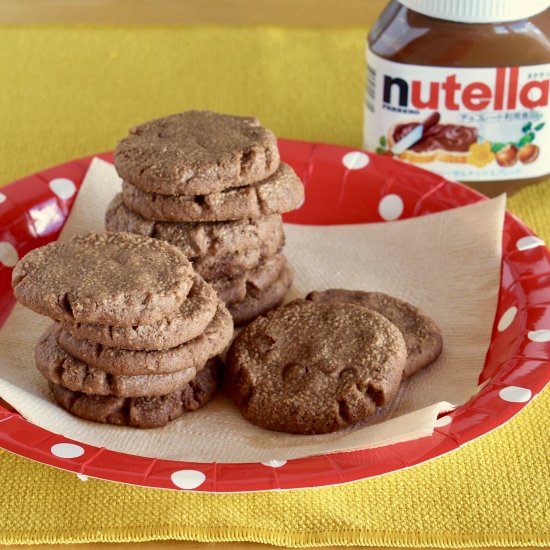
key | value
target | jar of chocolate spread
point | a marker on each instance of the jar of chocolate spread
(461, 87)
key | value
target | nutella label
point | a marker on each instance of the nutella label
(466, 124)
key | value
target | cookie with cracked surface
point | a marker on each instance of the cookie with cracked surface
(251, 282)
(216, 249)
(142, 412)
(264, 234)
(192, 354)
(196, 153)
(421, 334)
(188, 322)
(281, 192)
(230, 266)
(258, 303)
(310, 368)
(120, 279)
(59, 367)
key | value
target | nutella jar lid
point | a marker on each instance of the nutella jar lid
(477, 11)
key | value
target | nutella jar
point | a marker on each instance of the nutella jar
(461, 87)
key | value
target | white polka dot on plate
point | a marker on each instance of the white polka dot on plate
(542, 335)
(274, 463)
(355, 160)
(515, 394)
(8, 255)
(82, 477)
(62, 187)
(507, 318)
(2, 198)
(391, 207)
(443, 421)
(188, 479)
(67, 450)
(526, 243)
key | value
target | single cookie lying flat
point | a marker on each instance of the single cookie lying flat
(264, 234)
(188, 322)
(57, 366)
(192, 354)
(311, 368)
(118, 279)
(281, 192)
(196, 153)
(251, 282)
(258, 303)
(421, 334)
(142, 412)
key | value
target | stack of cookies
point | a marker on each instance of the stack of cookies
(212, 185)
(136, 334)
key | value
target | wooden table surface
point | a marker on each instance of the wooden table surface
(278, 12)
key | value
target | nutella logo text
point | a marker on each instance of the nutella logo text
(504, 93)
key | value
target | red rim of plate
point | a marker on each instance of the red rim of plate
(342, 186)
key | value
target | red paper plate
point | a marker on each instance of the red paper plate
(342, 186)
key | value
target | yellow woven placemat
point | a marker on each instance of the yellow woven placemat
(67, 92)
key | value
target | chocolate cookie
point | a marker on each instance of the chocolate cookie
(142, 412)
(196, 153)
(228, 267)
(264, 234)
(257, 303)
(188, 322)
(423, 338)
(118, 279)
(281, 192)
(311, 368)
(57, 366)
(251, 282)
(192, 354)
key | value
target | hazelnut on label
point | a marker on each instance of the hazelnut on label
(507, 156)
(528, 153)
